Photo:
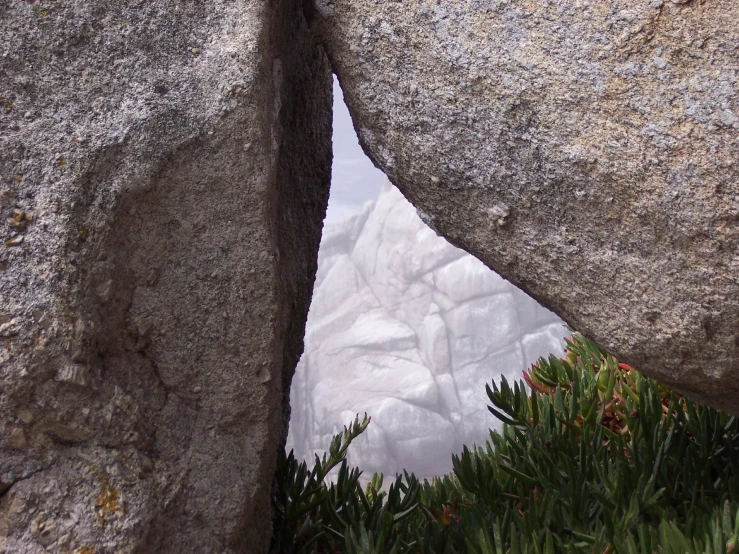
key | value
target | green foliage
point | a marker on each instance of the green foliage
(592, 457)
(310, 516)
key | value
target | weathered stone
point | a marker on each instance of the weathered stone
(144, 145)
(585, 150)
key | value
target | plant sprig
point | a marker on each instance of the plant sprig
(593, 457)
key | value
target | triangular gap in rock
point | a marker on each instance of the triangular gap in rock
(405, 327)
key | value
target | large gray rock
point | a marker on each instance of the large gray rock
(586, 150)
(164, 171)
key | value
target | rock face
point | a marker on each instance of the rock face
(164, 171)
(409, 329)
(587, 151)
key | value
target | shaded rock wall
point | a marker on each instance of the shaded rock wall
(164, 170)
(586, 151)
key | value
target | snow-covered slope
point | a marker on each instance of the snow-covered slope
(409, 329)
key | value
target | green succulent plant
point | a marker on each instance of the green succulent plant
(593, 457)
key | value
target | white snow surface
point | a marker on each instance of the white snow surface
(408, 328)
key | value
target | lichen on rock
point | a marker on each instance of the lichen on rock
(149, 179)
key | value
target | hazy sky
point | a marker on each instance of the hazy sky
(354, 180)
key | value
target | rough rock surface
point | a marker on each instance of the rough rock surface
(409, 329)
(585, 150)
(164, 170)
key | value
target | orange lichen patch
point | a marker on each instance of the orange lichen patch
(107, 503)
(61, 161)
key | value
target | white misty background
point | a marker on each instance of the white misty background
(405, 327)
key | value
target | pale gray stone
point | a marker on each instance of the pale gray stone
(409, 329)
(585, 150)
(143, 146)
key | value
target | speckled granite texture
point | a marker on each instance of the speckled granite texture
(585, 150)
(164, 170)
